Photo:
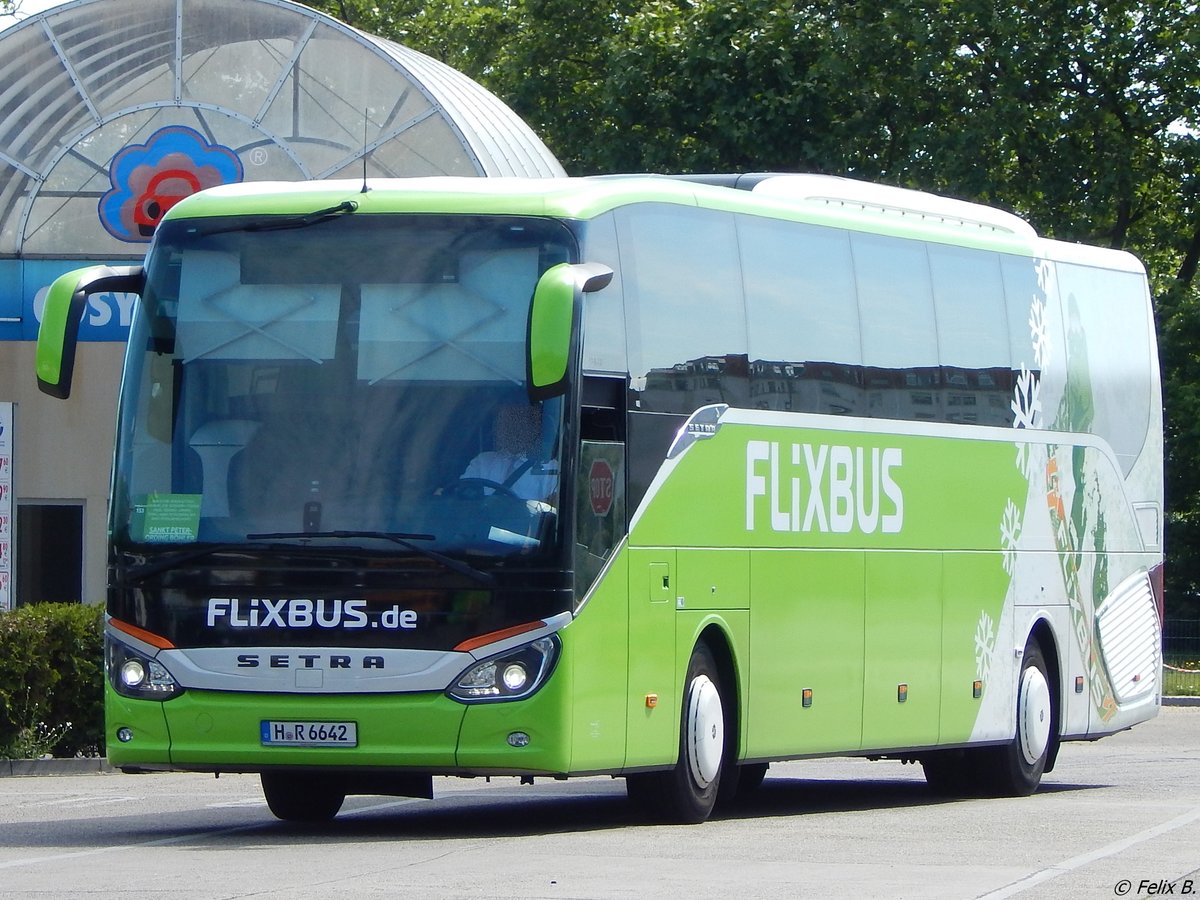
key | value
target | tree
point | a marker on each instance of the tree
(1080, 115)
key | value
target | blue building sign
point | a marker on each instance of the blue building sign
(23, 287)
(146, 181)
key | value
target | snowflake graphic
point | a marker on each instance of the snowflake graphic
(1044, 274)
(1031, 462)
(1010, 534)
(1027, 401)
(1040, 332)
(985, 646)
(1024, 459)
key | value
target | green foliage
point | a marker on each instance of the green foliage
(1080, 116)
(1182, 682)
(51, 680)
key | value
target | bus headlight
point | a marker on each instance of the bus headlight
(512, 675)
(134, 675)
(515, 677)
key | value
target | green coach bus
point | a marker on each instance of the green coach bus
(662, 478)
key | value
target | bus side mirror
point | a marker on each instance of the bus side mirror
(59, 331)
(554, 317)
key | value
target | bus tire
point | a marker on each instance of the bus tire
(302, 796)
(1016, 768)
(686, 793)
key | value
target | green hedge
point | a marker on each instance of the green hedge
(52, 680)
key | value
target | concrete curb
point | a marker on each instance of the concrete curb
(1181, 701)
(31, 767)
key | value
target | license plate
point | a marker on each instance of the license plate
(309, 734)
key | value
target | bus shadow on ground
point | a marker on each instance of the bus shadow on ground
(806, 796)
(493, 812)
(538, 811)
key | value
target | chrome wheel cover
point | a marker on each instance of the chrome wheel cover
(705, 731)
(1033, 715)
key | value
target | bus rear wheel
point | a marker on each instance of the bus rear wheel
(1015, 769)
(302, 797)
(687, 793)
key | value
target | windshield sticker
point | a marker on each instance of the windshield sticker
(166, 519)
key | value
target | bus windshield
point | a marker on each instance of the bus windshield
(342, 379)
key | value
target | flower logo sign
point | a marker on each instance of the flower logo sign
(148, 179)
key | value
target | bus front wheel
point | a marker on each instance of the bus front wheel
(686, 793)
(302, 797)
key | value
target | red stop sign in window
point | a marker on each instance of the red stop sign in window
(600, 486)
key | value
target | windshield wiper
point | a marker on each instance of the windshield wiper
(279, 223)
(134, 574)
(404, 540)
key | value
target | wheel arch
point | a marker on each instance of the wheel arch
(1043, 632)
(716, 637)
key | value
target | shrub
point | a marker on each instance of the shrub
(52, 680)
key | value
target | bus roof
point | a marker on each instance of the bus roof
(813, 199)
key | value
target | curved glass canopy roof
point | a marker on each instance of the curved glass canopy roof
(112, 110)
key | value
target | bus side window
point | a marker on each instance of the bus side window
(972, 332)
(1109, 366)
(684, 306)
(600, 509)
(1037, 340)
(805, 348)
(603, 403)
(899, 335)
(604, 310)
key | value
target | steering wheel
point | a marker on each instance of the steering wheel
(465, 486)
